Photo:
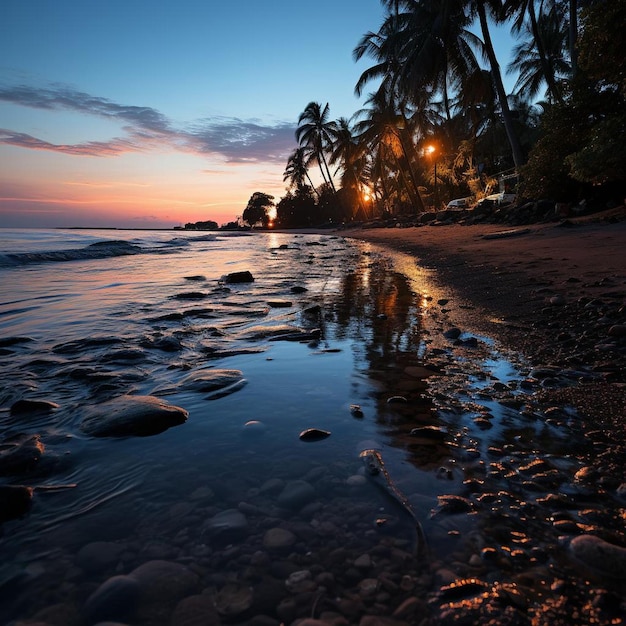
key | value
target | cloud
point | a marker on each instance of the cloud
(233, 139)
(89, 148)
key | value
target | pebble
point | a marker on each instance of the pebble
(296, 494)
(602, 556)
(314, 434)
(278, 539)
(228, 525)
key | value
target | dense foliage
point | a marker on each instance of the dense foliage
(439, 125)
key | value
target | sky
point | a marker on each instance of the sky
(155, 113)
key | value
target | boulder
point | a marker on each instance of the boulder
(126, 416)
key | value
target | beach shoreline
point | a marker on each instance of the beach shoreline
(554, 292)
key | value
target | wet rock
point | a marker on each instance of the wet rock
(227, 525)
(211, 379)
(296, 494)
(462, 589)
(115, 599)
(368, 587)
(15, 501)
(314, 434)
(191, 295)
(300, 582)
(452, 504)
(617, 330)
(278, 539)
(279, 304)
(603, 557)
(162, 585)
(32, 407)
(253, 428)
(432, 433)
(233, 600)
(198, 610)
(132, 416)
(452, 333)
(238, 277)
(20, 455)
(98, 555)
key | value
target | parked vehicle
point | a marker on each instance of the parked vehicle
(459, 203)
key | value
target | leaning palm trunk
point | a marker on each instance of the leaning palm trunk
(516, 149)
(573, 34)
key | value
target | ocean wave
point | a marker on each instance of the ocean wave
(98, 250)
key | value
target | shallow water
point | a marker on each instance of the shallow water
(94, 329)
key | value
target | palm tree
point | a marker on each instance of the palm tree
(297, 169)
(540, 44)
(314, 133)
(349, 156)
(531, 69)
(481, 7)
(382, 127)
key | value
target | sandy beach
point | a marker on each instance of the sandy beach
(554, 291)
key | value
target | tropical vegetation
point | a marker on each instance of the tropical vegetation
(438, 124)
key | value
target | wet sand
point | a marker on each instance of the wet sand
(551, 291)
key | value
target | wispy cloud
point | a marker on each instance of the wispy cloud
(145, 128)
(89, 148)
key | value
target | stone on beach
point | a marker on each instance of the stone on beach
(211, 379)
(20, 455)
(33, 407)
(227, 525)
(314, 434)
(605, 558)
(132, 416)
(15, 501)
(238, 277)
(296, 494)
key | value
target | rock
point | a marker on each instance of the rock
(132, 416)
(300, 582)
(162, 585)
(15, 501)
(356, 480)
(198, 610)
(314, 434)
(115, 599)
(211, 379)
(227, 525)
(603, 557)
(20, 455)
(279, 304)
(368, 587)
(363, 562)
(253, 428)
(434, 433)
(98, 555)
(33, 407)
(238, 277)
(278, 539)
(617, 330)
(296, 494)
(234, 600)
(452, 333)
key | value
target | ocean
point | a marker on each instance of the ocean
(90, 317)
(257, 428)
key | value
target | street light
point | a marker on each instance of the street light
(431, 151)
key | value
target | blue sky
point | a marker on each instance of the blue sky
(151, 113)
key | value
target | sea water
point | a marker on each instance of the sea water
(327, 333)
(90, 316)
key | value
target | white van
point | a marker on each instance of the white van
(459, 203)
